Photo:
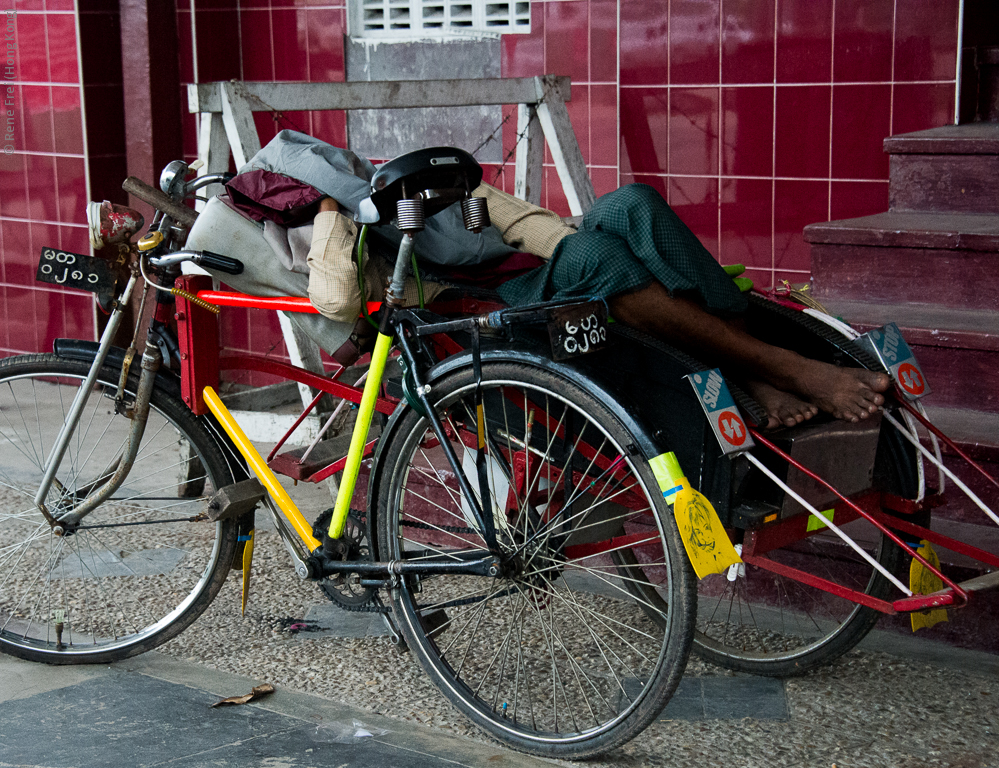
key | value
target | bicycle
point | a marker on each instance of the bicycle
(517, 514)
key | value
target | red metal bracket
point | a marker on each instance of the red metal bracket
(960, 593)
(198, 339)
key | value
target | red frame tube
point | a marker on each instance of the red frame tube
(818, 582)
(339, 464)
(273, 367)
(282, 303)
(866, 515)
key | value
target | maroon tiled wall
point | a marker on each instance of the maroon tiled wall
(757, 117)
(43, 176)
(753, 117)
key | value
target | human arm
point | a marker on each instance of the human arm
(527, 227)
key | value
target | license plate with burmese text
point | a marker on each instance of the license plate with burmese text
(577, 329)
(76, 270)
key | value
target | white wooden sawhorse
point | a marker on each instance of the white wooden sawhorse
(226, 126)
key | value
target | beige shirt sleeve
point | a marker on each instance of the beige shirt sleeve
(333, 287)
(524, 226)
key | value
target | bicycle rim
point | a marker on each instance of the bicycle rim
(141, 566)
(559, 657)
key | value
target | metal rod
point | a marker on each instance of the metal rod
(835, 529)
(336, 412)
(82, 395)
(151, 360)
(959, 69)
(954, 478)
(260, 468)
(355, 452)
(485, 566)
(397, 290)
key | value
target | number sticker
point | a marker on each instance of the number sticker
(886, 343)
(576, 329)
(75, 270)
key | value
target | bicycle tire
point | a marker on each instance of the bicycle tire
(767, 624)
(606, 669)
(121, 589)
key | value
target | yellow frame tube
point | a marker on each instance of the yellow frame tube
(355, 453)
(261, 470)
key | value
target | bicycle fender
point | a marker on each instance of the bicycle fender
(86, 351)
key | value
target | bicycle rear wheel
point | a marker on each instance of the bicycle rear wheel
(557, 657)
(141, 567)
(769, 624)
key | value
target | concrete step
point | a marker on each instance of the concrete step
(948, 169)
(976, 432)
(945, 259)
(957, 349)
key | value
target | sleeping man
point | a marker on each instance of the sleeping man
(631, 249)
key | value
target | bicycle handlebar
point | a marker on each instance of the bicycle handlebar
(220, 263)
(203, 181)
(179, 213)
(215, 261)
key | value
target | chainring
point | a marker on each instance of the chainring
(343, 589)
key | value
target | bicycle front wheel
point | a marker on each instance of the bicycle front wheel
(559, 656)
(138, 569)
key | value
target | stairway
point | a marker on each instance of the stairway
(929, 264)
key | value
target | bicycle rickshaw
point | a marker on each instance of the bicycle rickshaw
(542, 482)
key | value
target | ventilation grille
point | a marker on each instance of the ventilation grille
(421, 19)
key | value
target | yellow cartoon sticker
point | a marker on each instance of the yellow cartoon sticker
(707, 544)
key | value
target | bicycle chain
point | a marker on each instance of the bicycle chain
(445, 528)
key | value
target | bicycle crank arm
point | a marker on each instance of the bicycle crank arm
(151, 360)
(321, 567)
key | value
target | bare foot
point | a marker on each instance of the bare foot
(783, 408)
(850, 394)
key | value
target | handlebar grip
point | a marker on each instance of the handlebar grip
(221, 263)
(159, 201)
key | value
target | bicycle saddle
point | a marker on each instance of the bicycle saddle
(440, 176)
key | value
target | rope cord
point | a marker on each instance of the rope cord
(360, 275)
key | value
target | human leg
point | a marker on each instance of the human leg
(651, 231)
(658, 278)
(846, 393)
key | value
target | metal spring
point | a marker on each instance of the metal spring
(476, 213)
(410, 215)
(195, 300)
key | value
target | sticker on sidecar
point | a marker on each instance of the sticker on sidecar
(723, 415)
(890, 348)
(576, 329)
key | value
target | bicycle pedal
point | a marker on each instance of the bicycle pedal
(290, 463)
(235, 500)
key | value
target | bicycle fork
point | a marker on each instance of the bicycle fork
(151, 360)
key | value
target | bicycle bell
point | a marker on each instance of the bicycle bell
(173, 176)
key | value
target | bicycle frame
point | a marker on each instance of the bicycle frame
(359, 447)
